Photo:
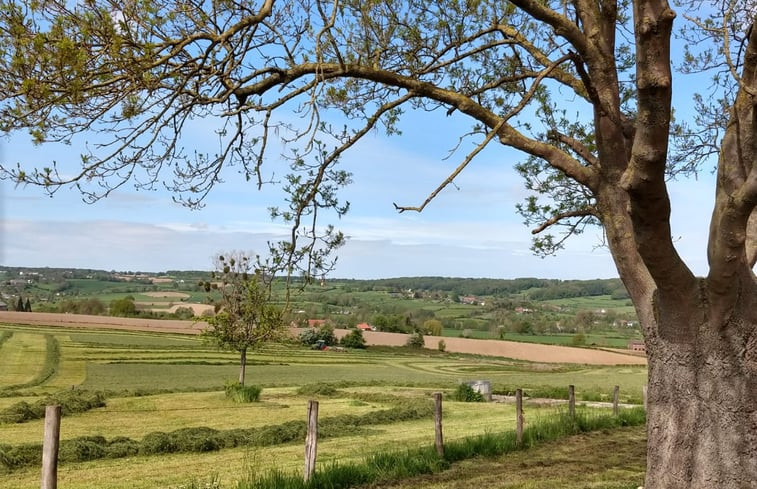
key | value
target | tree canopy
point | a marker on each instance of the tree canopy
(583, 88)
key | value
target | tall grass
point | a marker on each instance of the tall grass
(408, 463)
(242, 393)
(561, 392)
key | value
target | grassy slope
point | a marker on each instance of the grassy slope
(606, 460)
(136, 416)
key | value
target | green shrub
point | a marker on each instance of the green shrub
(326, 334)
(415, 340)
(242, 393)
(184, 313)
(309, 336)
(579, 339)
(466, 393)
(354, 339)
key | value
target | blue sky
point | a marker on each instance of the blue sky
(470, 230)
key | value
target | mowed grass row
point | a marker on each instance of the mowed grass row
(22, 357)
(90, 360)
(461, 420)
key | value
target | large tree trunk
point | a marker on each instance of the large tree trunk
(702, 415)
(242, 364)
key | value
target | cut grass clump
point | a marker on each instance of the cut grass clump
(403, 464)
(203, 439)
(71, 401)
(242, 393)
(319, 389)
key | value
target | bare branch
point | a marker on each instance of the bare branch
(451, 178)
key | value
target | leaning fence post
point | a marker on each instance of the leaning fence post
(518, 416)
(438, 439)
(311, 439)
(644, 395)
(572, 400)
(615, 397)
(50, 444)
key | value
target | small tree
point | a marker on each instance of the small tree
(354, 339)
(123, 307)
(20, 304)
(416, 340)
(432, 327)
(247, 319)
(28, 305)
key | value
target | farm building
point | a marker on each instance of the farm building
(366, 327)
(637, 345)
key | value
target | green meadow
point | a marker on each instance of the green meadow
(169, 388)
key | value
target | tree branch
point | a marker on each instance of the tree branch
(507, 134)
(563, 26)
(565, 215)
(731, 247)
(644, 178)
(451, 178)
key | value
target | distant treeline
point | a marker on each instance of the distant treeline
(530, 288)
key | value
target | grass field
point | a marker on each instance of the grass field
(567, 339)
(565, 464)
(164, 383)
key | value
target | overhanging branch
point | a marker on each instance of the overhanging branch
(451, 178)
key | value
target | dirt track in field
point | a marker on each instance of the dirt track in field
(102, 322)
(509, 349)
(166, 295)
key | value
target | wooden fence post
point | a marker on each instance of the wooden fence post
(615, 397)
(644, 395)
(50, 445)
(572, 400)
(518, 417)
(311, 439)
(439, 439)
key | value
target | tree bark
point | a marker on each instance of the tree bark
(702, 409)
(242, 364)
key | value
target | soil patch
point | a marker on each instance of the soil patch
(167, 295)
